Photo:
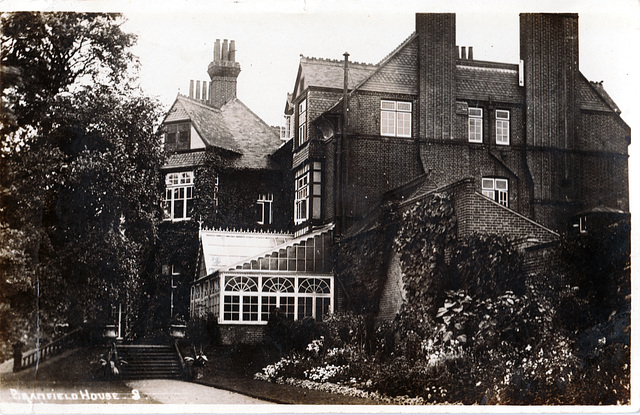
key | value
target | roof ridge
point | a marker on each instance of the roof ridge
(339, 61)
(198, 102)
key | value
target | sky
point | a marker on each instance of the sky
(175, 43)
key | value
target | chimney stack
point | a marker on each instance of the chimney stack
(549, 49)
(216, 51)
(437, 54)
(232, 51)
(224, 71)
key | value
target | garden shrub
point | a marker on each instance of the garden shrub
(361, 262)
(487, 265)
(284, 335)
(428, 231)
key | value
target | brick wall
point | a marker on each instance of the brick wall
(437, 54)
(393, 293)
(549, 48)
(233, 335)
(541, 257)
(375, 166)
(476, 213)
(222, 89)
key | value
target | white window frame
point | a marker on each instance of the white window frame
(301, 202)
(298, 296)
(496, 189)
(502, 127)
(265, 204)
(475, 125)
(395, 118)
(178, 189)
(302, 122)
(287, 127)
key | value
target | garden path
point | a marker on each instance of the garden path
(176, 392)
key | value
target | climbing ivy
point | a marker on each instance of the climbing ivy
(426, 234)
(361, 262)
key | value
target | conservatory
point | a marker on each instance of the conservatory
(292, 275)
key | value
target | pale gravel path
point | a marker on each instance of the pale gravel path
(181, 393)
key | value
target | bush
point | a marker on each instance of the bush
(203, 331)
(284, 335)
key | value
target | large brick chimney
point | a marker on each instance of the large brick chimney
(549, 55)
(437, 53)
(224, 71)
(549, 51)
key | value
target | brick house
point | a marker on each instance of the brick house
(536, 136)
(247, 163)
(528, 149)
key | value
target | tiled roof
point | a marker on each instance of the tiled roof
(478, 80)
(208, 122)
(329, 73)
(183, 160)
(234, 128)
(255, 140)
(592, 95)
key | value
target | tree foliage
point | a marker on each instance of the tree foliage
(80, 158)
(44, 54)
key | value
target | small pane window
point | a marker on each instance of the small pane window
(475, 125)
(496, 189)
(502, 127)
(395, 118)
(178, 199)
(302, 122)
(264, 212)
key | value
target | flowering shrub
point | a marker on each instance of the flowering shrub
(325, 373)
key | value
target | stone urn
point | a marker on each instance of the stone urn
(177, 330)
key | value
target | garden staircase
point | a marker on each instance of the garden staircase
(150, 361)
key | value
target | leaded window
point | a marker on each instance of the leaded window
(301, 212)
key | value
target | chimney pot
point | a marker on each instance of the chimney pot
(463, 53)
(191, 88)
(470, 56)
(225, 50)
(197, 89)
(204, 90)
(232, 51)
(216, 50)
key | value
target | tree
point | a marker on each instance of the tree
(80, 157)
(44, 54)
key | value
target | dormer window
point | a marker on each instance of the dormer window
(177, 137)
